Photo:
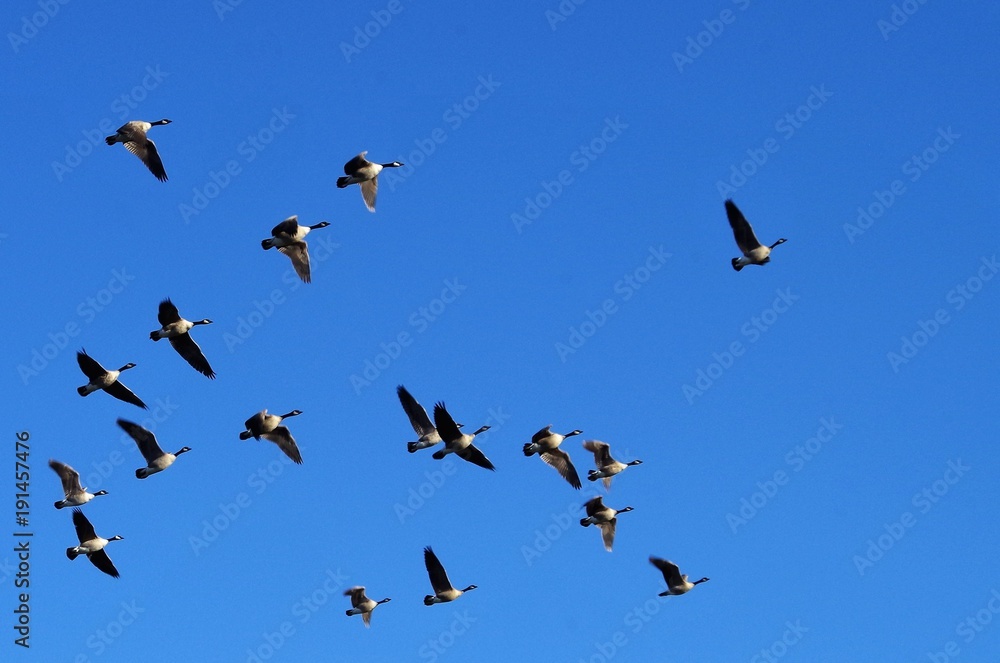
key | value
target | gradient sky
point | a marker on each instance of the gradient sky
(816, 433)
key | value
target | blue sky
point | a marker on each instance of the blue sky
(816, 433)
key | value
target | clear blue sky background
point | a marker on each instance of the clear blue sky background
(82, 219)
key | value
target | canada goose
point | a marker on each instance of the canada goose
(92, 545)
(100, 378)
(156, 459)
(133, 136)
(362, 171)
(266, 425)
(607, 466)
(754, 253)
(676, 583)
(76, 495)
(546, 444)
(604, 517)
(457, 442)
(290, 238)
(443, 591)
(176, 328)
(421, 423)
(362, 604)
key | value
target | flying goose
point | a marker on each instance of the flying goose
(362, 171)
(443, 591)
(92, 545)
(100, 378)
(421, 423)
(266, 425)
(362, 605)
(76, 495)
(604, 517)
(457, 442)
(176, 328)
(546, 444)
(133, 136)
(290, 238)
(156, 459)
(754, 253)
(607, 466)
(676, 583)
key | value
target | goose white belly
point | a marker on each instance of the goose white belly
(176, 329)
(450, 595)
(424, 441)
(369, 172)
(78, 499)
(161, 463)
(106, 380)
(758, 255)
(91, 546)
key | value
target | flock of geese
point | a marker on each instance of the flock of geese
(289, 238)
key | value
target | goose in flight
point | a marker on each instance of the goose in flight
(76, 495)
(92, 545)
(754, 253)
(133, 136)
(546, 444)
(676, 583)
(156, 459)
(267, 426)
(362, 605)
(607, 466)
(101, 378)
(290, 239)
(443, 589)
(177, 329)
(360, 170)
(457, 442)
(421, 423)
(604, 517)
